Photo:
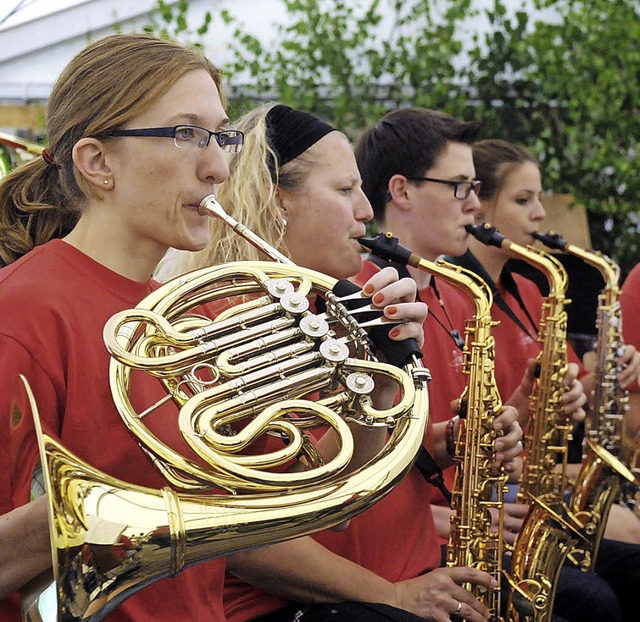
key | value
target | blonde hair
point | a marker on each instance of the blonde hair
(107, 84)
(250, 197)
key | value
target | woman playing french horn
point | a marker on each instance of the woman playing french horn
(137, 134)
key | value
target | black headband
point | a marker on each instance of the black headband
(291, 132)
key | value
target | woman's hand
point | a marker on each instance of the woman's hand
(629, 366)
(439, 594)
(397, 300)
(508, 446)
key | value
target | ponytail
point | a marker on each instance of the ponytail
(32, 209)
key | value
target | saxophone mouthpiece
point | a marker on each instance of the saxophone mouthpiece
(552, 240)
(387, 247)
(487, 234)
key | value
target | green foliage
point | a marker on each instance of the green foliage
(568, 89)
(332, 60)
(171, 22)
(566, 86)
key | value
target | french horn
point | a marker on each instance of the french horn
(284, 355)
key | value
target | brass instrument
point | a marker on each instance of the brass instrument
(604, 471)
(480, 482)
(265, 366)
(546, 538)
(14, 150)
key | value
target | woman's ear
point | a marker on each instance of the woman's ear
(89, 156)
(283, 202)
(397, 190)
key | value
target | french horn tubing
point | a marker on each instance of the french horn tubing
(269, 366)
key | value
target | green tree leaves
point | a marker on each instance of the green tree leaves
(564, 83)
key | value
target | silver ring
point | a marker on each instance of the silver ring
(459, 609)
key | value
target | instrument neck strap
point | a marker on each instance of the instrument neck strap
(427, 466)
(469, 261)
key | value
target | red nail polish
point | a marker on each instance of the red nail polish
(377, 299)
(395, 332)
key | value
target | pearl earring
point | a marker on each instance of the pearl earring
(106, 182)
(284, 224)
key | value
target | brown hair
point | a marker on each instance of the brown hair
(107, 84)
(493, 160)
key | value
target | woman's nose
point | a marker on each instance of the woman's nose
(214, 166)
(363, 210)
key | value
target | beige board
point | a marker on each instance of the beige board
(567, 219)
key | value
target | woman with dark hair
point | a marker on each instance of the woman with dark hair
(510, 199)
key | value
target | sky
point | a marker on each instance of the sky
(17, 11)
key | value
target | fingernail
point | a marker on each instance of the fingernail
(394, 332)
(368, 289)
(378, 298)
(391, 310)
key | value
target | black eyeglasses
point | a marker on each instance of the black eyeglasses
(461, 189)
(188, 136)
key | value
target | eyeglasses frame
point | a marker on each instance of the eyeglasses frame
(474, 185)
(170, 132)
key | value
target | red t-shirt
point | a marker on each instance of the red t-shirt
(54, 303)
(396, 537)
(630, 304)
(514, 347)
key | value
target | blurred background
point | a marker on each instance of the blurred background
(559, 76)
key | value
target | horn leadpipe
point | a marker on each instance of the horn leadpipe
(209, 206)
(398, 353)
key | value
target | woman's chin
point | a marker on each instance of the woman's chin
(348, 270)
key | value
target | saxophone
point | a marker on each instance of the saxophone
(479, 481)
(546, 538)
(604, 472)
